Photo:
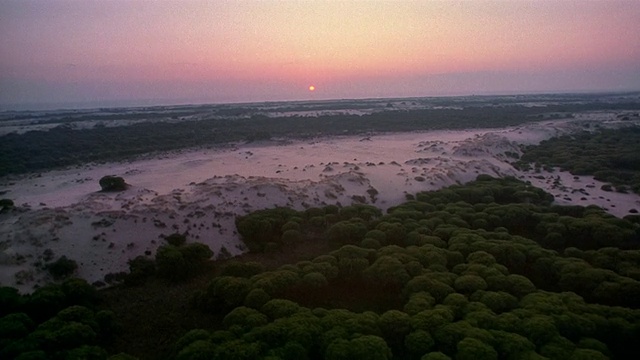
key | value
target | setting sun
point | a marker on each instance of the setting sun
(237, 51)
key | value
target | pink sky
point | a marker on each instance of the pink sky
(102, 51)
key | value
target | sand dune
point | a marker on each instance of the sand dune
(202, 191)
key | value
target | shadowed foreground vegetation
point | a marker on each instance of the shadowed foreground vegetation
(488, 270)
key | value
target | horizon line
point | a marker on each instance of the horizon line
(153, 103)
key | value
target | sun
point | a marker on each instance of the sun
(312, 88)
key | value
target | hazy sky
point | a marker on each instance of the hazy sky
(104, 51)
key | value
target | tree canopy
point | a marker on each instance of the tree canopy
(448, 287)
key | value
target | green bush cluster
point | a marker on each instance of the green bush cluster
(178, 263)
(62, 268)
(468, 272)
(610, 155)
(488, 270)
(270, 229)
(54, 322)
(175, 261)
(110, 183)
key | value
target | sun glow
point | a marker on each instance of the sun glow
(234, 51)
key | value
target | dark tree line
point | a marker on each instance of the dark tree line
(63, 146)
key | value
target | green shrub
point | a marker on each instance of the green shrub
(177, 263)
(140, 269)
(291, 237)
(112, 183)
(242, 269)
(176, 239)
(62, 268)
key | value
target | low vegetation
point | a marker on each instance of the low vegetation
(6, 204)
(64, 145)
(62, 268)
(488, 270)
(60, 321)
(110, 183)
(610, 155)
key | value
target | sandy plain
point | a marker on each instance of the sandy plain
(201, 191)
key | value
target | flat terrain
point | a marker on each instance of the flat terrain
(201, 190)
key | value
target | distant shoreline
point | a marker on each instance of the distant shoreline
(42, 141)
(160, 103)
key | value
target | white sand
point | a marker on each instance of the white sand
(202, 191)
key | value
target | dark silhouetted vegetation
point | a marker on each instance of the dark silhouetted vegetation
(112, 183)
(491, 269)
(610, 155)
(64, 145)
(60, 321)
(176, 261)
(487, 270)
(62, 268)
(6, 204)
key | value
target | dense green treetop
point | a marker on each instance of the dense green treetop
(454, 286)
(531, 280)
